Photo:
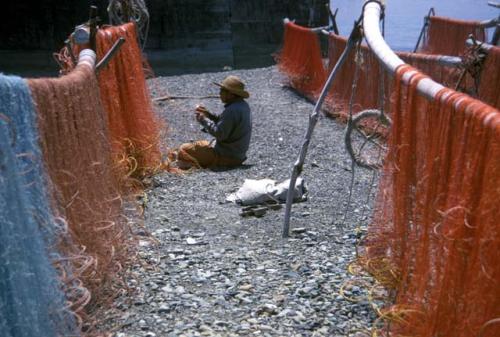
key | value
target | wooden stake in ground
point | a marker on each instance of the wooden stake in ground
(313, 119)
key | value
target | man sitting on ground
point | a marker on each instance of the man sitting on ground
(232, 131)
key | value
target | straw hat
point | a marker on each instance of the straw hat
(234, 85)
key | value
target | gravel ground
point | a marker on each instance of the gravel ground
(210, 272)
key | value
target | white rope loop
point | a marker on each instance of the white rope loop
(87, 57)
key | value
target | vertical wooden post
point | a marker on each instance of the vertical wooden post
(333, 19)
(92, 27)
(355, 36)
(424, 27)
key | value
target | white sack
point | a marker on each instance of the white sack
(255, 192)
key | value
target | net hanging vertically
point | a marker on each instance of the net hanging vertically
(31, 300)
(300, 59)
(489, 87)
(133, 126)
(368, 85)
(76, 149)
(436, 218)
(447, 36)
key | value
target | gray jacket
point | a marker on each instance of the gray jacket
(232, 130)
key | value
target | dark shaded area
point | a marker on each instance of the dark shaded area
(184, 36)
(42, 24)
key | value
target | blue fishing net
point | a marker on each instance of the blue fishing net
(31, 300)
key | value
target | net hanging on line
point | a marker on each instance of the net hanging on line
(370, 79)
(300, 59)
(436, 218)
(447, 36)
(77, 153)
(31, 299)
(489, 87)
(435, 239)
(133, 125)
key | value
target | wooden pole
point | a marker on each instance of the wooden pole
(333, 18)
(313, 119)
(92, 27)
(109, 55)
(422, 32)
(168, 97)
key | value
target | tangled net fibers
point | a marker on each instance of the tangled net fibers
(133, 126)
(489, 88)
(447, 36)
(436, 218)
(300, 59)
(76, 150)
(31, 299)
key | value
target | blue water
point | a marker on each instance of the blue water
(404, 18)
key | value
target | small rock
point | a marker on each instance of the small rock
(164, 308)
(299, 230)
(191, 241)
(245, 287)
(268, 308)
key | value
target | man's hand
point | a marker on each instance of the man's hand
(201, 112)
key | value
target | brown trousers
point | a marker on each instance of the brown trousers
(200, 154)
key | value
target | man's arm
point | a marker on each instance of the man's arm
(203, 111)
(221, 129)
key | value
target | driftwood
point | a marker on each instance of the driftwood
(169, 97)
(313, 119)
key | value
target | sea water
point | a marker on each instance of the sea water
(404, 18)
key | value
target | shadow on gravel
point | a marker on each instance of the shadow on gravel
(224, 169)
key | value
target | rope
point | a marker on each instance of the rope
(472, 63)
(357, 59)
(122, 11)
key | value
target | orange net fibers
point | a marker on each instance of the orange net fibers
(489, 88)
(428, 64)
(132, 124)
(77, 154)
(300, 59)
(367, 85)
(435, 227)
(446, 36)
(370, 78)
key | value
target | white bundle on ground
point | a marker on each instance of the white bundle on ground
(263, 191)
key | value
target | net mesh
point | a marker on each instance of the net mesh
(367, 84)
(489, 88)
(435, 230)
(447, 36)
(77, 153)
(434, 239)
(31, 299)
(300, 59)
(371, 78)
(133, 126)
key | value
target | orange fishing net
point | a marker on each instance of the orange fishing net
(489, 88)
(429, 65)
(368, 82)
(77, 154)
(133, 126)
(300, 59)
(446, 36)
(435, 229)
(370, 78)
